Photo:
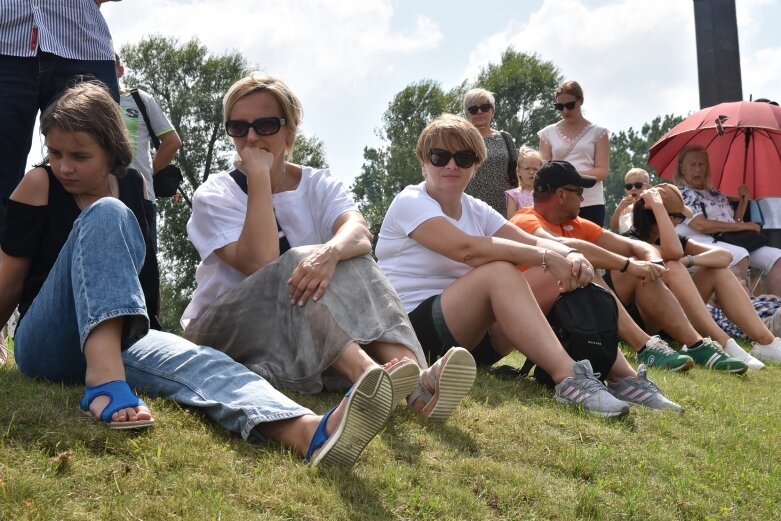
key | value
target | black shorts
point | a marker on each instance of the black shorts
(435, 337)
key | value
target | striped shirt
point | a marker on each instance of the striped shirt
(73, 29)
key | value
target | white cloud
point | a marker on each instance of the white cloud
(635, 60)
(319, 47)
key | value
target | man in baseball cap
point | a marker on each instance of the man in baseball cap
(558, 174)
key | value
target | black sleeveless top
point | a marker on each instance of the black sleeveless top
(39, 232)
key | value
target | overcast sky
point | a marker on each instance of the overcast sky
(346, 59)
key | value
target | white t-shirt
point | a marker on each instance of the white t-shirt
(306, 215)
(581, 156)
(139, 133)
(412, 269)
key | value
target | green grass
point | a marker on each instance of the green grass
(509, 452)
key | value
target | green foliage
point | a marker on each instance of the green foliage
(523, 85)
(629, 149)
(189, 84)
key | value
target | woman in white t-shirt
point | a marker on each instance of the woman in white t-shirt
(318, 311)
(583, 144)
(452, 259)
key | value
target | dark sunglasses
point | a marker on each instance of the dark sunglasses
(261, 126)
(569, 105)
(463, 158)
(637, 185)
(578, 190)
(485, 107)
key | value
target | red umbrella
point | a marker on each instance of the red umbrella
(743, 140)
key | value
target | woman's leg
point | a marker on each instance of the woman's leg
(735, 303)
(498, 293)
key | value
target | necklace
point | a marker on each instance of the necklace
(281, 178)
(110, 192)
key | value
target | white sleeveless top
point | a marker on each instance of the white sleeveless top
(581, 156)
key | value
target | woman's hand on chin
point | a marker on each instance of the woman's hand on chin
(256, 161)
(312, 276)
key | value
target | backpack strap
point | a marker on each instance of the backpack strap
(241, 180)
(142, 108)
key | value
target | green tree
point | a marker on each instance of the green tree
(392, 166)
(629, 149)
(524, 86)
(189, 83)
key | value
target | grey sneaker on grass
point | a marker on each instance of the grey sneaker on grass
(584, 389)
(642, 391)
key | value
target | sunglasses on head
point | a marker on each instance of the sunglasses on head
(485, 107)
(463, 158)
(261, 126)
(638, 185)
(569, 105)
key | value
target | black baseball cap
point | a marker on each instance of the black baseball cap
(555, 174)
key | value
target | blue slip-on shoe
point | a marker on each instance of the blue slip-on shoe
(120, 397)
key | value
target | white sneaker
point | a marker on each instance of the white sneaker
(768, 353)
(734, 350)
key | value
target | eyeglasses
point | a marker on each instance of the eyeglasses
(569, 105)
(463, 158)
(638, 185)
(578, 190)
(261, 126)
(485, 107)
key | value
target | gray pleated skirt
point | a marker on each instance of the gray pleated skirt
(294, 347)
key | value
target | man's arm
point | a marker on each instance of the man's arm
(169, 144)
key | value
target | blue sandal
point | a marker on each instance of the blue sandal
(369, 405)
(120, 397)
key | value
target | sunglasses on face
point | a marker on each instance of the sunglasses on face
(578, 190)
(561, 106)
(636, 186)
(261, 126)
(485, 107)
(463, 158)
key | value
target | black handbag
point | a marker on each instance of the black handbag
(748, 239)
(165, 182)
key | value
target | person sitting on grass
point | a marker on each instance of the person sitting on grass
(635, 181)
(529, 161)
(656, 213)
(633, 271)
(452, 259)
(77, 257)
(285, 257)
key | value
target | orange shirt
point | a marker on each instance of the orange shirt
(530, 221)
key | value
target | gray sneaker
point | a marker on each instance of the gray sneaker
(642, 391)
(584, 389)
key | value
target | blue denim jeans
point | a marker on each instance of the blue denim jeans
(95, 278)
(28, 85)
(167, 366)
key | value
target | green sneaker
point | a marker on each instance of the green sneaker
(659, 355)
(711, 355)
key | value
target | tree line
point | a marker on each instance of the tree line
(189, 82)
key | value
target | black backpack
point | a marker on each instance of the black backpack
(586, 322)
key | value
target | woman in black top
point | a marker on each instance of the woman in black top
(74, 245)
